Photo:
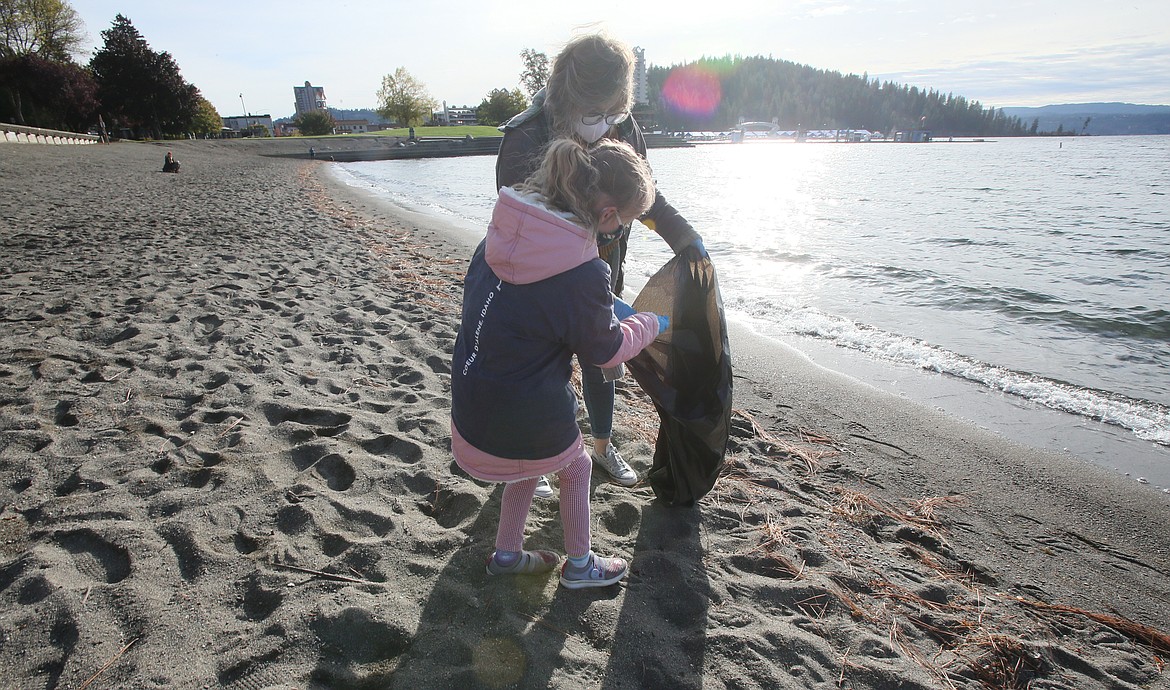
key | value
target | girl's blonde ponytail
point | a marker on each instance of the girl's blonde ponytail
(572, 178)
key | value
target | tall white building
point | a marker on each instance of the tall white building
(641, 85)
(309, 98)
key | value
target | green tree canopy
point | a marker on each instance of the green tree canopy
(499, 106)
(314, 123)
(139, 88)
(404, 99)
(206, 120)
(535, 73)
(45, 93)
(717, 93)
(48, 28)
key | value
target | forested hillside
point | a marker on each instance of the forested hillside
(716, 94)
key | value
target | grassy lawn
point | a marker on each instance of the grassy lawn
(475, 131)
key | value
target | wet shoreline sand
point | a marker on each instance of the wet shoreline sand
(224, 463)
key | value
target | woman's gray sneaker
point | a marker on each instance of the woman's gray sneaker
(615, 466)
(543, 488)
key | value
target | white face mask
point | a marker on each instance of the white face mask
(591, 133)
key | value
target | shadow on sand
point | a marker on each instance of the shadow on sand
(481, 632)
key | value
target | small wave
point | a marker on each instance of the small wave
(1144, 254)
(964, 242)
(1030, 307)
(1147, 420)
(785, 256)
(883, 274)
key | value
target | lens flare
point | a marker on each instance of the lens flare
(692, 90)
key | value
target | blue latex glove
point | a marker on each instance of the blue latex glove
(698, 244)
(663, 324)
(621, 309)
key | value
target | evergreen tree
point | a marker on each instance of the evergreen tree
(140, 89)
(802, 97)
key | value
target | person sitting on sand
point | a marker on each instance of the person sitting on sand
(170, 164)
(588, 97)
(535, 294)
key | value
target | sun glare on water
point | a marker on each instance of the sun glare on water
(761, 206)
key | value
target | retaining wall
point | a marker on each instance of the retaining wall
(19, 134)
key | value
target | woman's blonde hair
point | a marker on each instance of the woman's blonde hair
(592, 74)
(572, 178)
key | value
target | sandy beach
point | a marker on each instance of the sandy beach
(224, 462)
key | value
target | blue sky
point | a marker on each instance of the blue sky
(1001, 53)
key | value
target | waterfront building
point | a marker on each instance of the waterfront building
(249, 125)
(452, 116)
(641, 83)
(309, 98)
(351, 126)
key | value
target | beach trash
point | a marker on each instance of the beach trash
(686, 372)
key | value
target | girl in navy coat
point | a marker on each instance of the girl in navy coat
(535, 295)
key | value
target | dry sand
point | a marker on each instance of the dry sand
(224, 463)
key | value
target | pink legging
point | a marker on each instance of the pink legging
(574, 480)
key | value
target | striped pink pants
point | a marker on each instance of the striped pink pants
(574, 481)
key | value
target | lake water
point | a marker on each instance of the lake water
(1022, 284)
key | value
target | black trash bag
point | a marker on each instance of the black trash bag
(687, 374)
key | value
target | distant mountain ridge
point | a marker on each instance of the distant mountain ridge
(1090, 109)
(1101, 119)
(367, 114)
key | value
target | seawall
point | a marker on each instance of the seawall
(19, 134)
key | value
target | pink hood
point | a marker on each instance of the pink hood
(528, 242)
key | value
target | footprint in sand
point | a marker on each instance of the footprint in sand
(125, 334)
(765, 566)
(362, 520)
(355, 637)
(306, 455)
(211, 324)
(621, 518)
(95, 557)
(450, 508)
(261, 596)
(188, 553)
(390, 445)
(322, 422)
(63, 416)
(338, 474)
(218, 379)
